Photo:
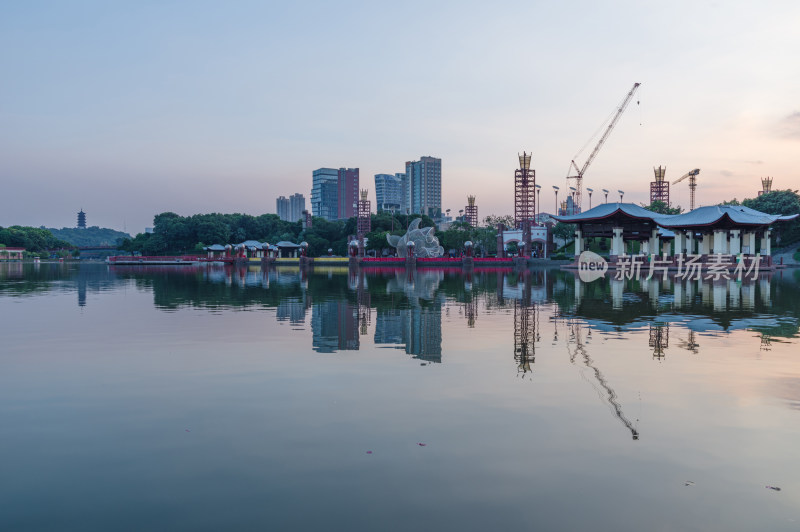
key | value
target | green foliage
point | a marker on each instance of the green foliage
(175, 234)
(780, 202)
(564, 231)
(662, 208)
(91, 236)
(455, 236)
(31, 238)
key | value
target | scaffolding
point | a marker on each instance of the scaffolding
(525, 200)
(364, 222)
(659, 189)
(471, 212)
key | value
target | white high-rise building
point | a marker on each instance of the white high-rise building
(424, 187)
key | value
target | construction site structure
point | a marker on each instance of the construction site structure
(525, 200)
(659, 189)
(766, 186)
(364, 220)
(692, 185)
(471, 212)
(582, 170)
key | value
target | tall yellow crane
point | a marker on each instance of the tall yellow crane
(692, 185)
(580, 171)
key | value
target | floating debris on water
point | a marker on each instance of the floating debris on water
(689, 483)
(773, 488)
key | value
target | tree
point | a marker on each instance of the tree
(564, 231)
(662, 208)
(781, 202)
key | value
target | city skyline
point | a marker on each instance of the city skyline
(133, 110)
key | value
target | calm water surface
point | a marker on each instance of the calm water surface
(197, 398)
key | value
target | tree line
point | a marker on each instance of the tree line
(33, 239)
(174, 234)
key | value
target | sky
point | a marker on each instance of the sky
(130, 109)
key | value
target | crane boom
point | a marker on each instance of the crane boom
(688, 174)
(603, 138)
(610, 127)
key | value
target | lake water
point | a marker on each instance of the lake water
(211, 398)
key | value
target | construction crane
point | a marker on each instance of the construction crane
(692, 185)
(579, 178)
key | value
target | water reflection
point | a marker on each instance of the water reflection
(219, 387)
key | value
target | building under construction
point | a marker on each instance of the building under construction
(471, 212)
(525, 199)
(659, 189)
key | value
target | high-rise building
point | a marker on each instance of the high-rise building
(334, 193)
(297, 204)
(324, 198)
(389, 192)
(425, 186)
(347, 193)
(282, 207)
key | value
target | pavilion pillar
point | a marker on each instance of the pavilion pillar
(652, 247)
(704, 247)
(766, 246)
(749, 243)
(690, 243)
(617, 244)
(578, 242)
(680, 242)
(665, 248)
(735, 242)
(721, 242)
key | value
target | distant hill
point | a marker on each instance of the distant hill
(91, 236)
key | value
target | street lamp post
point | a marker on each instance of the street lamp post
(589, 190)
(621, 193)
(555, 189)
(606, 193)
(537, 206)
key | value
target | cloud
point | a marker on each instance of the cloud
(726, 173)
(789, 126)
(755, 162)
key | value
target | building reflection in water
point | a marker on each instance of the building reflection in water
(417, 327)
(334, 326)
